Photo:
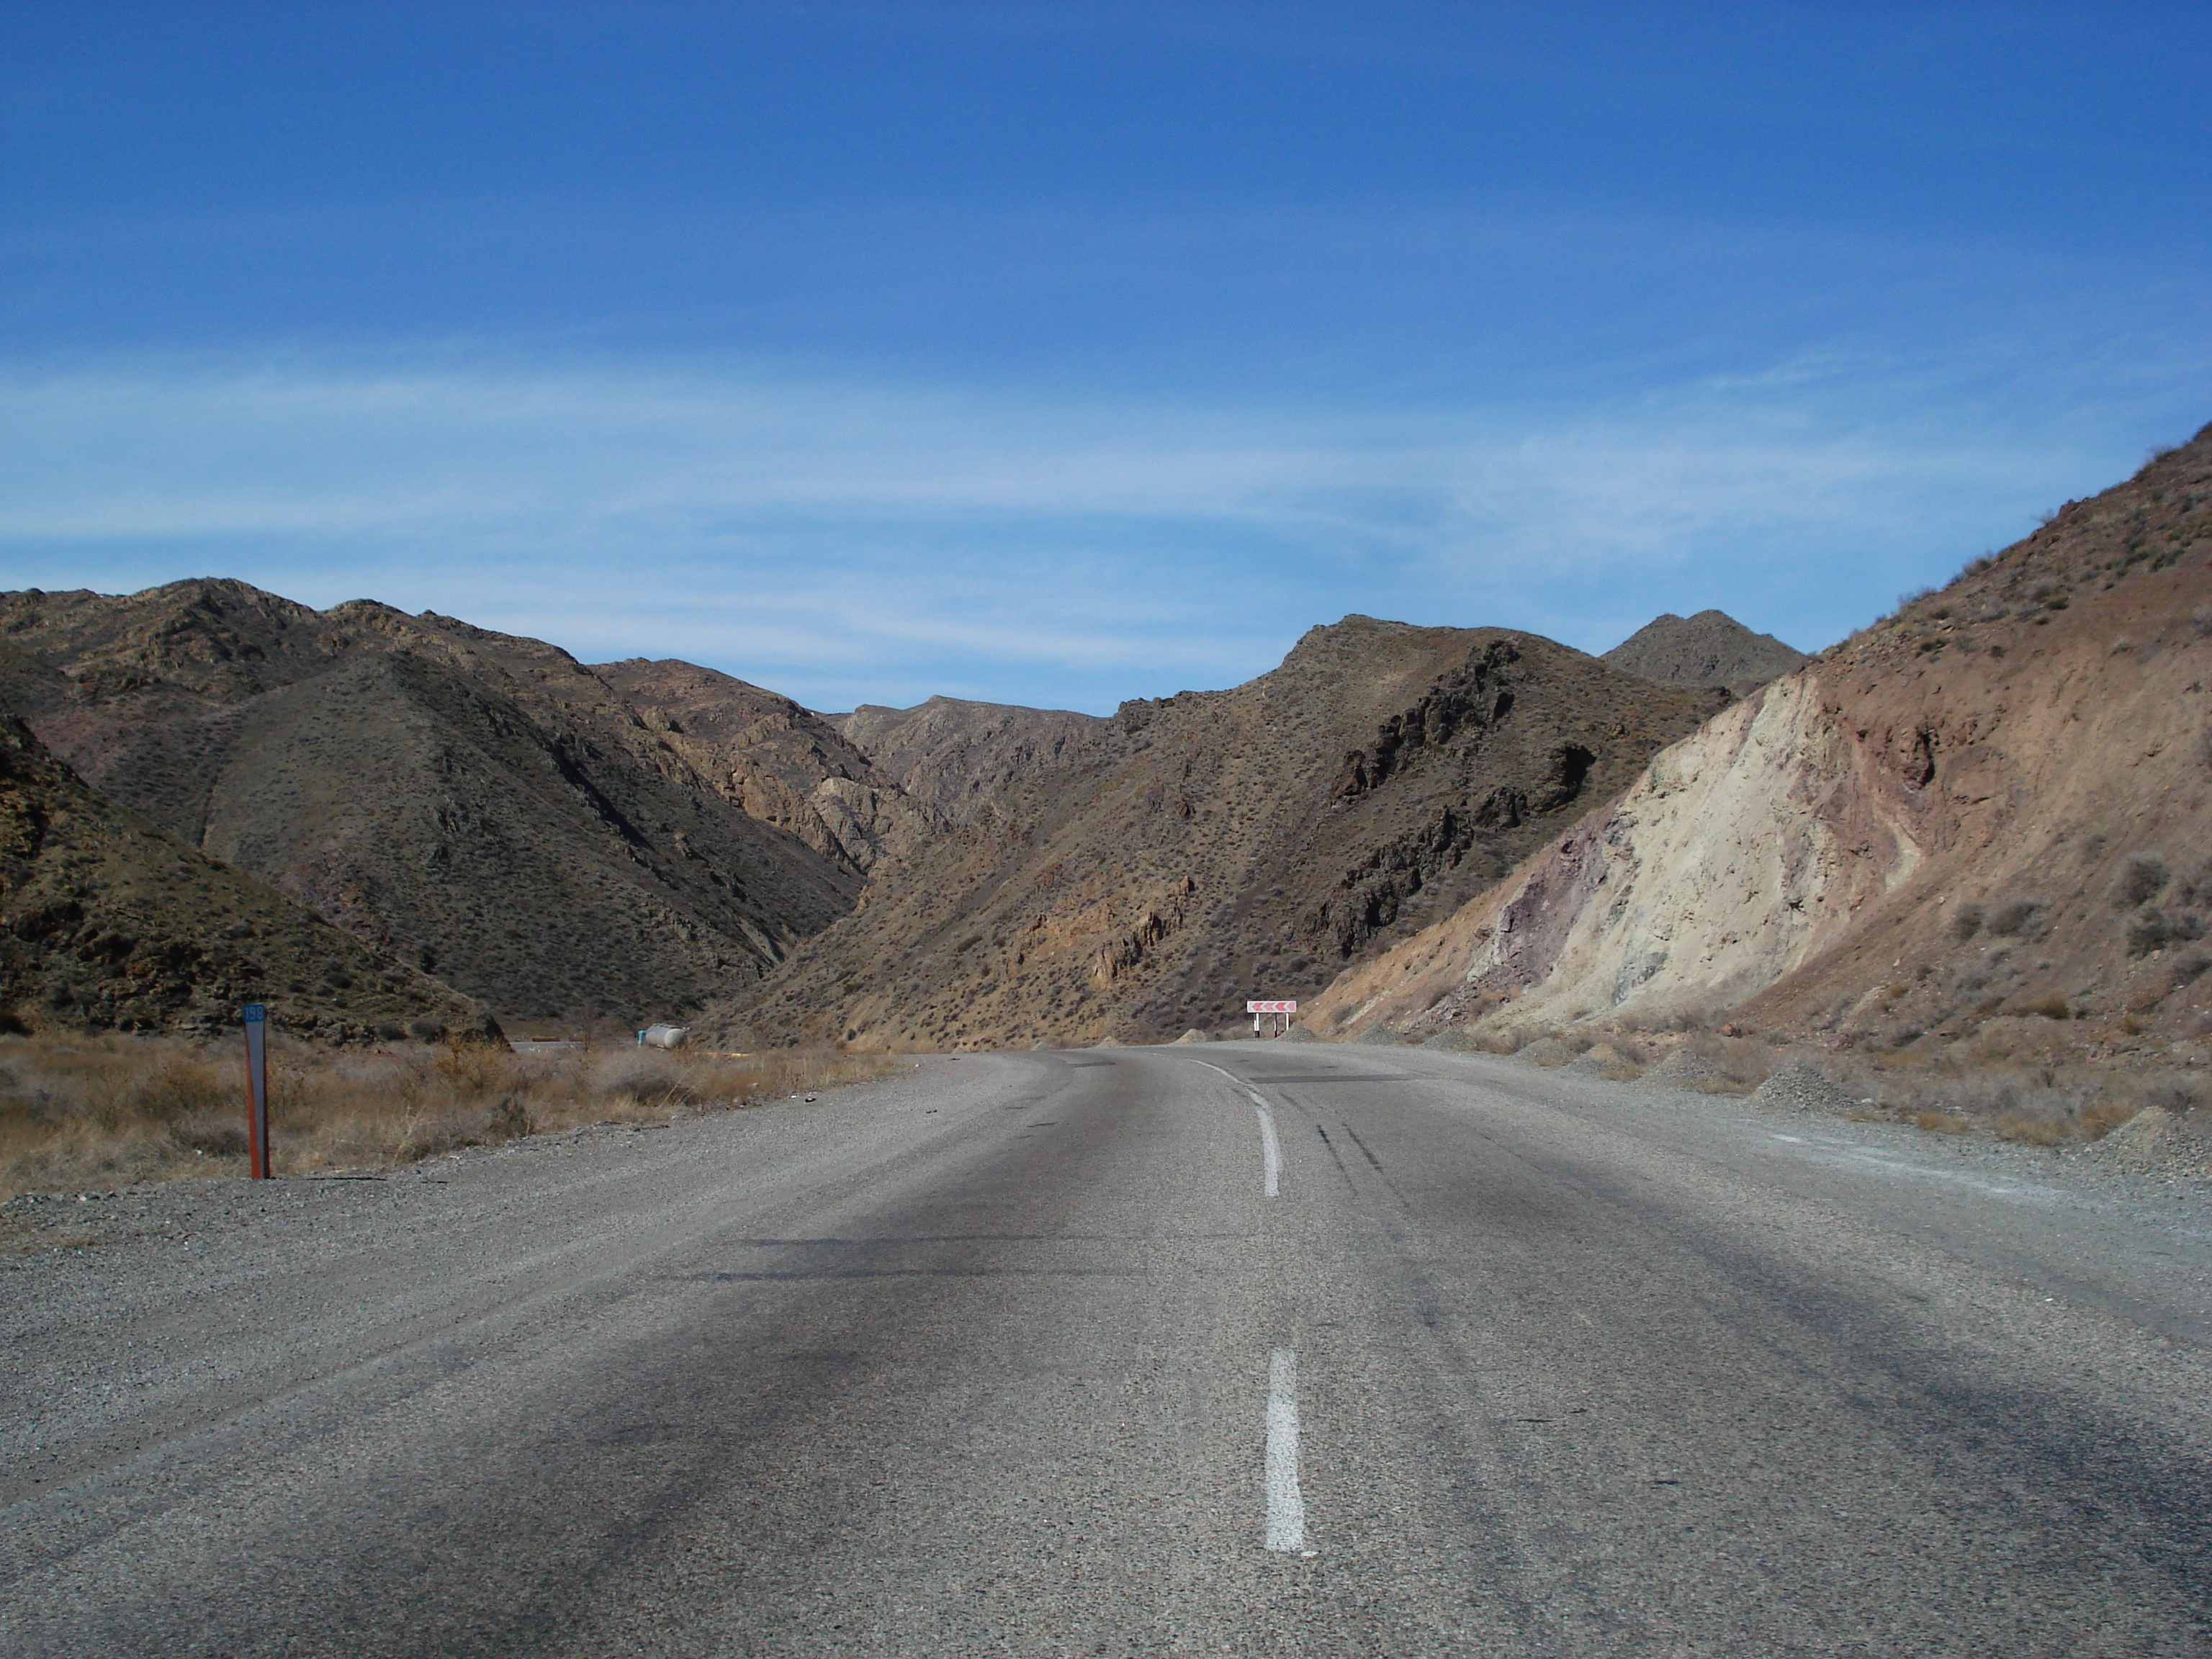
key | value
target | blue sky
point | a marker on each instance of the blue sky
(1058, 354)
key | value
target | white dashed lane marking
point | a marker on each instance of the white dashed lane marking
(1287, 1505)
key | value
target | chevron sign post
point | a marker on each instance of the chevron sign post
(1260, 1009)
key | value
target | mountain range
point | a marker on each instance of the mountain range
(1988, 803)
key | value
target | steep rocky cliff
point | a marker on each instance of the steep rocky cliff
(1991, 804)
(1199, 849)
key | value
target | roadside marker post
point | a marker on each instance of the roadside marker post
(256, 1017)
(1283, 1006)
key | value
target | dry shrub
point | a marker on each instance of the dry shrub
(2150, 929)
(1969, 1088)
(111, 1110)
(2035, 1130)
(1947, 1123)
(2143, 878)
(2168, 1093)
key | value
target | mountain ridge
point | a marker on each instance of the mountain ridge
(534, 841)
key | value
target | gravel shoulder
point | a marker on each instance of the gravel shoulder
(2133, 1243)
(190, 1301)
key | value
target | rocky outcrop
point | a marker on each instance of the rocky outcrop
(1991, 805)
(774, 761)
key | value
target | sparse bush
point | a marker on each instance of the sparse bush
(2149, 930)
(181, 1084)
(1966, 921)
(2143, 878)
(2187, 968)
(2050, 1007)
(2200, 621)
(2017, 920)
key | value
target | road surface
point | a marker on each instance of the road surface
(1249, 1348)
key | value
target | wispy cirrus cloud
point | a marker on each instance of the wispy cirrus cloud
(847, 541)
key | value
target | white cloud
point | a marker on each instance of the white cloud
(844, 541)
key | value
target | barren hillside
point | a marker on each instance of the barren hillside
(108, 923)
(1711, 648)
(775, 760)
(483, 807)
(1991, 806)
(1213, 845)
(953, 755)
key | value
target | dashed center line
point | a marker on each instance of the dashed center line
(1287, 1505)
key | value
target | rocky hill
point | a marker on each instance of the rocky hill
(108, 923)
(952, 755)
(1711, 648)
(1196, 850)
(1990, 806)
(483, 807)
(776, 762)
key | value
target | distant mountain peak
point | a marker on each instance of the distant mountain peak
(1711, 648)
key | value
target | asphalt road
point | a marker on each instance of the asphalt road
(1019, 1354)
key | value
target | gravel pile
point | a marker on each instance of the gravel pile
(1686, 1068)
(1604, 1061)
(2156, 1142)
(1545, 1051)
(1799, 1086)
(1451, 1037)
(1298, 1034)
(1194, 1034)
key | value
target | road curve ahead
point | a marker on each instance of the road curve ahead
(1246, 1349)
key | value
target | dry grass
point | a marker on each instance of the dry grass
(107, 1111)
(2039, 1105)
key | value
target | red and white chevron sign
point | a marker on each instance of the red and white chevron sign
(1271, 1007)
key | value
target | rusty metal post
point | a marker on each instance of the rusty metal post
(257, 1087)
